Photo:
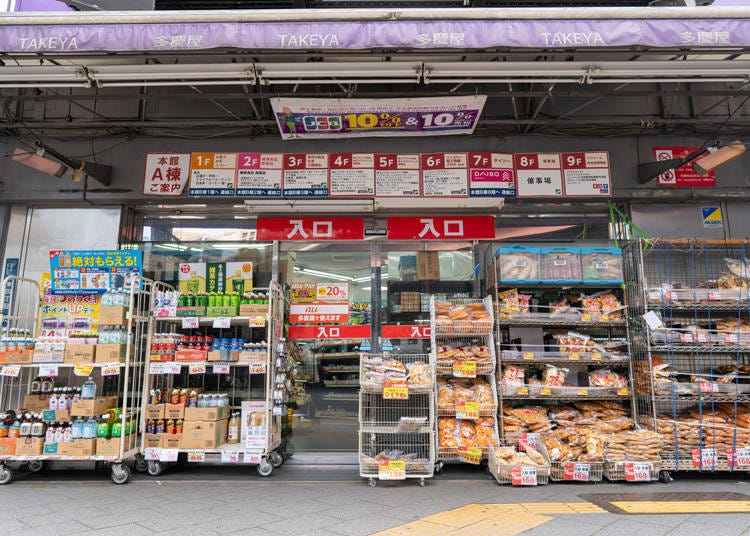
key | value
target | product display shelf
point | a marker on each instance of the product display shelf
(473, 340)
(250, 388)
(518, 474)
(693, 364)
(539, 355)
(397, 417)
(122, 383)
(576, 471)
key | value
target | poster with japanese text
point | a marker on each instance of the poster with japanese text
(352, 174)
(166, 174)
(445, 175)
(259, 174)
(58, 314)
(213, 174)
(491, 175)
(306, 175)
(93, 272)
(397, 175)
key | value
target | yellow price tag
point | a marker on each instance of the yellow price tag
(257, 321)
(604, 318)
(523, 390)
(465, 369)
(596, 356)
(473, 455)
(528, 355)
(467, 410)
(582, 391)
(83, 370)
(622, 391)
(196, 456)
(395, 390)
(574, 357)
(586, 317)
(545, 391)
(392, 470)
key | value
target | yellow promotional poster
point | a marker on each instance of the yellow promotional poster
(74, 312)
(239, 277)
(303, 292)
(191, 277)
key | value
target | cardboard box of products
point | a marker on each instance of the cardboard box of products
(152, 441)
(79, 353)
(252, 356)
(56, 415)
(204, 434)
(7, 446)
(190, 355)
(36, 402)
(191, 311)
(161, 358)
(92, 408)
(252, 309)
(113, 315)
(223, 355)
(174, 411)
(77, 447)
(48, 357)
(171, 441)
(50, 448)
(110, 353)
(108, 447)
(26, 356)
(29, 446)
(154, 411)
(428, 265)
(206, 414)
(222, 311)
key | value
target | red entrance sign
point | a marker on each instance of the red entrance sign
(312, 229)
(329, 332)
(441, 228)
(406, 332)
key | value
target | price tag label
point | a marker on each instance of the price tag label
(473, 455)
(48, 370)
(527, 438)
(197, 368)
(586, 317)
(574, 357)
(151, 454)
(596, 357)
(528, 355)
(257, 321)
(230, 457)
(704, 457)
(196, 456)
(110, 369)
(190, 322)
(739, 457)
(258, 367)
(523, 391)
(156, 368)
(687, 338)
(391, 470)
(467, 410)
(395, 390)
(576, 471)
(714, 295)
(168, 455)
(11, 371)
(622, 391)
(465, 369)
(252, 456)
(702, 337)
(222, 322)
(83, 370)
(546, 391)
(523, 475)
(706, 387)
(730, 338)
(582, 391)
(637, 471)
(220, 367)
(171, 368)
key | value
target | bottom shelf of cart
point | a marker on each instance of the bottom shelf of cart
(632, 470)
(63, 458)
(577, 471)
(709, 466)
(227, 453)
(412, 469)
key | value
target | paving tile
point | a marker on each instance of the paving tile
(60, 529)
(353, 511)
(366, 525)
(104, 520)
(561, 526)
(732, 522)
(690, 528)
(239, 521)
(130, 529)
(297, 525)
(628, 526)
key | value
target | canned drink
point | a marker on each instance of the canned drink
(171, 426)
(159, 426)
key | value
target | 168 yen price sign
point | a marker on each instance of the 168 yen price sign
(523, 475)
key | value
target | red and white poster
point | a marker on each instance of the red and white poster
(491, 175)
(306, 175)
(587, 174)
(352, 174)
(329, 332)
(312, 229)
(538, 175)
(259, 174)
(166, 173)
(683, 176)
(318, 313)
(441, 227)
(397, 175)
(213, 174)
(405, 332)
(445, 175)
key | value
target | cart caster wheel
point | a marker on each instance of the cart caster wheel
(276, 458)
(140, 465)
(422, 483)
(665, 477)
(120, 473)
(154, 468)
(373, 482)
(35, 466)
(6, 475)
(264, 467)
(439, 468)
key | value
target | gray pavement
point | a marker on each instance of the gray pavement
(330, 501)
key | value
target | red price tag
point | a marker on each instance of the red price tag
(739, 457)
(196, 456)
(197, 368)
(523, 475)
(706, 387)
(576, 471)
(637, 471)
(704, 458)
(110, 369)
(467, 410)
(526, 438)
(686, 338)
(190, 322)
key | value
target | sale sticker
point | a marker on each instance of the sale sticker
(704, 457)
(637, 471)
(151, 454)
(220, 367)
(526, 438)
(473, 455)
(222, 322)
(230, 457)
(48, 370)
(196, 456)
(596, 356)
(197, 368)
(395, 390)
(332, 292)
(258, 367)
(622, 391)
(391, 470)
(171, 368)
(156, 368)
(574, 357)
(739, 457)
(168, 455)
(467, 410)
(11, 371)
(528, 355)
(465, 369)
(83, 370)
(523, 391)
(582, 391)
(257, 321)
(546, 391)
(586, 317)
(190, 322)
(523, 475)
(110, 369)
(576, 471)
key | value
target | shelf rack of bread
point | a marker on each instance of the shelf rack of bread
(463, 348)
(396, 417)
(693, 380)
(522, 465)
(216, 385)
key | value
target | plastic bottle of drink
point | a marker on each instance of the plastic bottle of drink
(104, 427)
(233, 434)
(37, 426)
(53, 400)
(25, 428)
(88, 390)
(89, 429)
(76, 429)
(66, 433)
(50, 435)
(60, 433)
(116, 429)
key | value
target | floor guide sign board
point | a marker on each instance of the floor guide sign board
(379, 175)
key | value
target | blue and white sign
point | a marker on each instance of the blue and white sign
(364, 346)
(712, 217)
(93, 272)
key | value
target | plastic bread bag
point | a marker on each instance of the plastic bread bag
(554, 376)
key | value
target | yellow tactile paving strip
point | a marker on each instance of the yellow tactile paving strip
(682, 507)
(489, 519)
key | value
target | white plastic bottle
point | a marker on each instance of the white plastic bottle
(88, 390)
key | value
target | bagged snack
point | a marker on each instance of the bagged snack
(561, 265)
(513, 376)
(554, 376)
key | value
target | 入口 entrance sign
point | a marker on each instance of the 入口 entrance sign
(310, 229)
(329, 332)
(441, 228)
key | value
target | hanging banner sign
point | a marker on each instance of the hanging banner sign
(683, 176)
(259, 174)
(166, 174)
(305, 175)
(491, 175)
(329, 332)
(93, 272)
(441, 228)
(538, 175)
(352, 174)
(332, 292)
(302, 292)
(397, 175)
(445, 175)
(312, 229)
(406, 332)
(345, 118)
(587, 174)
(213, 174)
(318, 313)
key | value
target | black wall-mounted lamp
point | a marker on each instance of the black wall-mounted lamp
(704, 160)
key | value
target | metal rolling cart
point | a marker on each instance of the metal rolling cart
(396, 417)
(122, 378)
(463, 346)
(255, 382)
(692, 370)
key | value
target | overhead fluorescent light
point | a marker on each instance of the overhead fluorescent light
(309, 206)
(393, 72)
(308, 271)
(182, 74)
(368, 278)
(182, 217)
(248, 245)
